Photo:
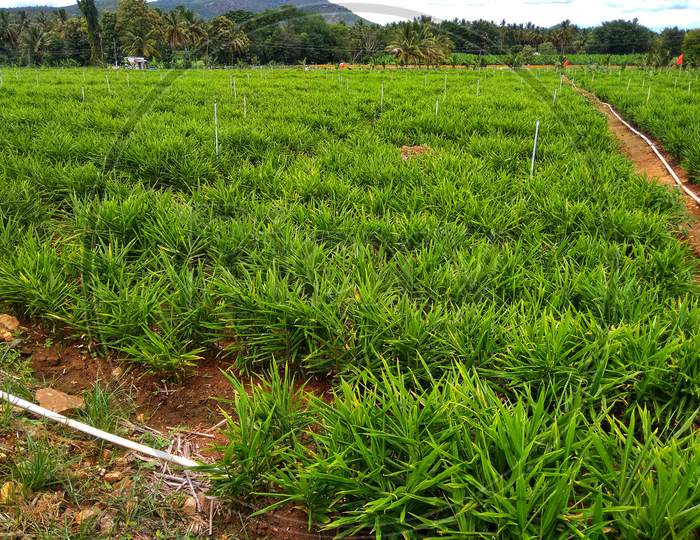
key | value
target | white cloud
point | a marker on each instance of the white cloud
(15, 3)
(652, 13)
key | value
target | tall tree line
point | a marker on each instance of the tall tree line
(289, 35)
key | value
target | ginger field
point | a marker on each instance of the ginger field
(511, 355)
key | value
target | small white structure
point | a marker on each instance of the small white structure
(136, 62)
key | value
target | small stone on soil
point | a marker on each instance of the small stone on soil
(58, 401)
(86, 515)
(190, 506)
(8, 323)
(10, 492)
(113, 477)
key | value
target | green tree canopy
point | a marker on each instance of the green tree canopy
(691, 47)
(620, 37)
(135, 28)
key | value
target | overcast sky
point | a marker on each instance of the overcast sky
(652, 13)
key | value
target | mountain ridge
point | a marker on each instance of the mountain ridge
(208, 9)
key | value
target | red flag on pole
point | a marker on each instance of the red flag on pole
(566, 63)
(679, 62)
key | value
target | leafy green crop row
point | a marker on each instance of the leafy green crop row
(495, 336)
(665, 104)
(454, 459)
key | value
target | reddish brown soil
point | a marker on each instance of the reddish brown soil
(163, 401)
(187, 402)
(408, 152)
(648, 164)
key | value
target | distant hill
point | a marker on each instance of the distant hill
(208, 9)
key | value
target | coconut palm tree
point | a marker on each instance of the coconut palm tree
(195, 31)
(175, 29)
(405, 45)
(226, 39)
(137, 44)
(416, 43)
(34, 41)
(9, 32)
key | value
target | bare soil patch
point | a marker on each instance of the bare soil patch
(409, 151)
(184, 408)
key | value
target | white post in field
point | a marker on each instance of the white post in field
(216, 130)
(534, 149)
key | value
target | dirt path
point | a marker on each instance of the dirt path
(648, 164)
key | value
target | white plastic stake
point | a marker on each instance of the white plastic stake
(437, 105)
(109, 88)
(82, 91)
(534, 149)
(629, 81)
(216, 130)
(233, 87)
(478, 87)
(554, 100)
(245, 108)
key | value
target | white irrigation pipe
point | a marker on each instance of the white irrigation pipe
(670, 170)
(646, 139)
(98, 433)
